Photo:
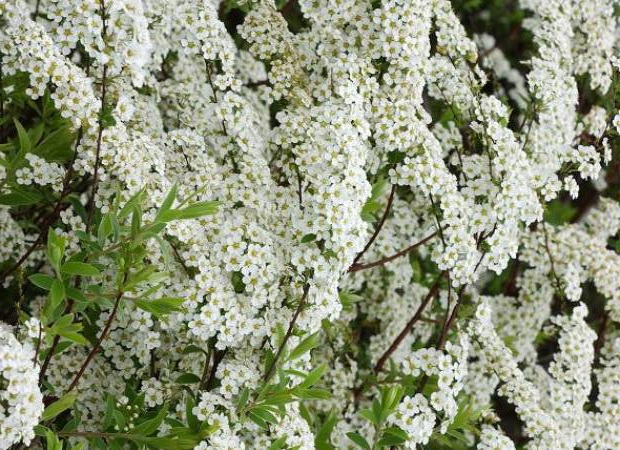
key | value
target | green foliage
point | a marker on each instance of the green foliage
(377, 414)
(374, 204)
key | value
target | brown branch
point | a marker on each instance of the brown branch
(289, 333)
(91, 201)
(38, 349)
(432, 292)
(600, 335)
(205, 370)
(378, 227)
(179, 258)
(444, 332)
(253, 84)
(558, 284)
(102, 337)
(381, 262)
(217, 359)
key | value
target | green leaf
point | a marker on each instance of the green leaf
(191, 212)
(56, 296)
(369, 415)
(105, 228)
(237, 281)
(308, 238)
(324, 433)
(168, 201)
(137, 278)
(358, 439)
(313, 376)
(264, 413)
(191, 348)
(75, 294)
(304, 346)
(79, 268)
(162, 306)
(258, 420)
(136, 218)
(243, 398)
(312, 394)
(151, 425)
(74, 336)
(55, 248)
(373, 204)
(62, 404)
(393, 436)
(20, 197)
(52, 442)
(42, 280)
(24, 140)
(110, 407)
(348, 299)
(57, 146)
(278, 443)
(192, 420)
(187, 378)
(559, 213)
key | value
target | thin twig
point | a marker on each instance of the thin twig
(289, 333)
(35, 14)
(179, 258)
(558, 284)
(378, 227)
(91, 201)
(600, 335)
(439, 227)
(432, 292)
(444, 332)
(382, 261)
(205, 370)
(449, 304)
(102, 337)
(217, 359)
(299, 188)
(38, 349)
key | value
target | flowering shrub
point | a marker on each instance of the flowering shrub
(309, 224)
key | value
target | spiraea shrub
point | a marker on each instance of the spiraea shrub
(309, 224)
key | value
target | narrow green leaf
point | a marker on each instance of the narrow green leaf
(278, 443)
(160, 307)
(52, 442)
(79, 268)
(150, 426)
(359, 440)
(24, 140)
(313, 376)
(187, 378)
(191, 212)
(168, 201)
(304, 346)
(57, 294)
(62, 404)
(326, 429)
(308, 238)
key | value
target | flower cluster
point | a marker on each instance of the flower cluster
(21, 402)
